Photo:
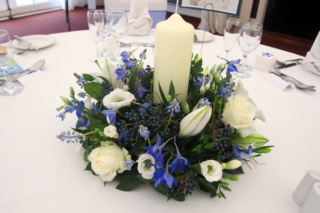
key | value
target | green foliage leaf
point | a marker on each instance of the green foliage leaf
(263, 150)
(196, 168)
(94, 123)
(208, 145)
(85, 155)
(132, 82)
(103, 78)
(119, 176)
(206, 183)
(236, 171)
(66, 100)
(88, 77)
(139, 176)
(225, 188)
(197, 68)
(93, 89)
(161, 188)
(233, 178)
(129, 181)
(197, 148)
(180, 197)
(171, 90)
(163, 97)
(88, 167)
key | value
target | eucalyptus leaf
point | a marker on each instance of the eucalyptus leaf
(129, 181)
(236, 171)
(197, 148)
(88, 77)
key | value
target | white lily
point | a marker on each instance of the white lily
(194, 122)
(88, 103)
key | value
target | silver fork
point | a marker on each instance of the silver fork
(21, 52)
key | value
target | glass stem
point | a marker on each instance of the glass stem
(227, 55)
(9, 85)
(245, 60)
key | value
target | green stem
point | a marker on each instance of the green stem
(168, 123)
(121, 114)
(110, 79)
(98, 65)
(89, 133)
(149, 142)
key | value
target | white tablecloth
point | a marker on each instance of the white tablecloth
(41, 174)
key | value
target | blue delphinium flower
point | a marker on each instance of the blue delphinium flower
(231, 67)
(122, 73)
(180, 162)
(128, 64)
(125, 55)
(159, 171)
(166, 179)
(70, 108)
(111, 115)
(144, 132)
(204, 102)
(140, 89)
(156, 150)
(173, 107)
(226, 91)
(82, 94)
(79, 108)
(62, 116)
(95, 108)
(199, 81)
(71, 138)
(142, 72)
(128, 164)
(245, 154)
(83, 122)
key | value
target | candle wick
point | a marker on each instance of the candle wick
(177, 6)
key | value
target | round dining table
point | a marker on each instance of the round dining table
(41, 174)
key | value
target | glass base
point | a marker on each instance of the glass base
(100, 60)
(246, 68)
(5, 91)
(104, 53)
(241, 74)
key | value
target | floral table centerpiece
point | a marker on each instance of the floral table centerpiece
(176, 147)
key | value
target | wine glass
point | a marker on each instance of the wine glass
(95, 23)
(231, 34)
(6, 54)
(106, 31)
(118, 27)
(249, 40)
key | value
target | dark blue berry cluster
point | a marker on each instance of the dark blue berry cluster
(185, 185)
(107, 87)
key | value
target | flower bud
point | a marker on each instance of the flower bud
(223, 166)
(125, 87)
(185, 108)
(207, 86)
(217, 78)
(194, 122)
(169, 98)
(233, 164)
(88, 103)
(202, 89)
(71, 91)
(198, 58)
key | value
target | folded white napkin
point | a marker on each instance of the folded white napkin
(312, 59)
(139, 19)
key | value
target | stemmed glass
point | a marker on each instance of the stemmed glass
(249, 40)
(231, 34)
(107, 16)
(6, 54)
(95, 23)
(118, 27)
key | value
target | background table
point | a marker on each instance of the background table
(41, 174)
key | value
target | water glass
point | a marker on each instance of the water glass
(106, 32)
(231, 34)
(249, 40)
(118, 28)
(6, 54)
(96, 23)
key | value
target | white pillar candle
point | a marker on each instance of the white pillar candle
(173, 50)
(312, 203)
(302, 190)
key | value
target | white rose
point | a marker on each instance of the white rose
(111, 132)
(240, 111)
(107, 160)
(117, 98)
(211, 170)
(145, 170)
(194, 122)
(88, 103)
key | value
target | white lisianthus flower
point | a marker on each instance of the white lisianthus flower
(107, 160)
(111, 132)
(88, 103)
(117, 98)
(211, 170)
(240, 111)
(194, 122)
(145, 170)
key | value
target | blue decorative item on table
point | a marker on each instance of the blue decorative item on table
(175, 147)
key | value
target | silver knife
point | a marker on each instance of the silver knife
(29, 44)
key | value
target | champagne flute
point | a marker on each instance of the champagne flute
(231, 34)
(249, 40)
(6, 54)
(95, 23)
(118, 27)
(106, 31)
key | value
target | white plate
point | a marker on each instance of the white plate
(207, 36)
(140, 39)
(41, 41)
